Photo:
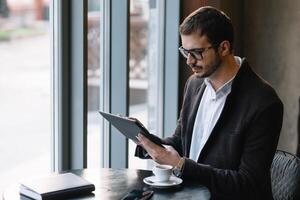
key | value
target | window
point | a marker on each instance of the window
(94, 75)
(25, 90)
(99, 81)
(146, 69)
(141, 73)
(80, 85)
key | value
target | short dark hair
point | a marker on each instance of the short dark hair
(209, 21)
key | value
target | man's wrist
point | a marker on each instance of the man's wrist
(177, 171)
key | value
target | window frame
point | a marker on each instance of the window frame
(69, 85)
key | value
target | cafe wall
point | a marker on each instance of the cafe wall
(272, 45)
(267, 33)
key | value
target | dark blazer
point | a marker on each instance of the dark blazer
(235, 161)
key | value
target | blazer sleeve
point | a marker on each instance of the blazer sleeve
(249, 180)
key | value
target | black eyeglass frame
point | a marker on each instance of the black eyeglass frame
(196, 52)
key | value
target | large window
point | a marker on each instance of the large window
(94, 75)
(146, 68)
(25, 90)
(131, 46)
(110, 58)
(80, 85)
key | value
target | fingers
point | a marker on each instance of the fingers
(144, 141)
(137, 142)
(141, 137)
(167, 155)
(169, 148)
(153, 149)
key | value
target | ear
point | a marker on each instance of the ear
(224, 48)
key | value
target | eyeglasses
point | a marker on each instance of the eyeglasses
(196, 53)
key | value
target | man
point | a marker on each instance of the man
(230, 120)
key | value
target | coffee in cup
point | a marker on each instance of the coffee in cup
(162, 172)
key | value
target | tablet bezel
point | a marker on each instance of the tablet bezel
(130, 127)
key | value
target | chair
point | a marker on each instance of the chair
(298, 126)
(285, 176)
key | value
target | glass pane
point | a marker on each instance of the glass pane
(144, 81)
(93, 79)
(25, 90)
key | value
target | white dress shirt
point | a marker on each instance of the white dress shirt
(209, 110)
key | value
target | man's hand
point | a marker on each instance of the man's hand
(166, 156)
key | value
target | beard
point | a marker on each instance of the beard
(210, 68)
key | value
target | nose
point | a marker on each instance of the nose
(190, 60)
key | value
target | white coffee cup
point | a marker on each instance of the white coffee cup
(162, 172)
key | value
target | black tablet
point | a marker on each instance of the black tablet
(130, 127)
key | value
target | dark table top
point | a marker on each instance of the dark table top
(114, 184)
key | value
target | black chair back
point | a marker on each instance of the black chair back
(298, 126)
(285, 176)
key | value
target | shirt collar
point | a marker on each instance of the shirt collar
(238, 60)
(225, 88)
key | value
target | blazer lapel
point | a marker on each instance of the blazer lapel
(191, 119)
(242, 73)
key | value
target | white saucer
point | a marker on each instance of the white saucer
(151, 180)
